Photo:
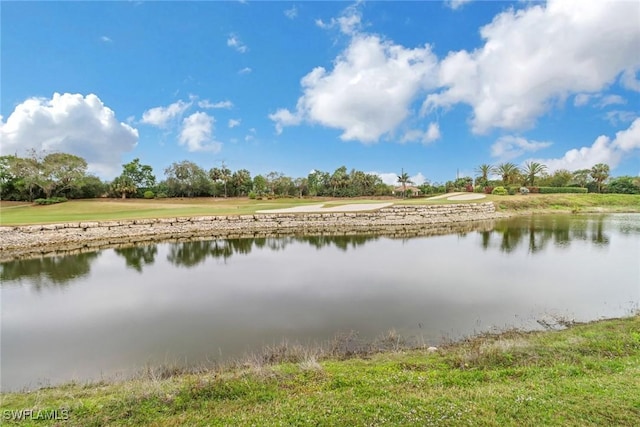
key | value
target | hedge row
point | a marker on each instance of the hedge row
(50, 201)
(551, 190)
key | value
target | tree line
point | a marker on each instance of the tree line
(47, 175)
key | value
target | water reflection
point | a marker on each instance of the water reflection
(242, 294)
(48, 271)
(137, 257)
(537, 232)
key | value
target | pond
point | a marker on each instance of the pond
(111, 313)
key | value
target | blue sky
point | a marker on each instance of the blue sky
(434, 88)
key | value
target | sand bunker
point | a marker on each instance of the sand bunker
(320, 209)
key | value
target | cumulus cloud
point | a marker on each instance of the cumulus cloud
(509, 147)
(233, 123)
(106, 39)
(70, 123)
(367, 93)
(197, 133)
(245, 70)
(161, 116)
(431, 134)
(536, 57)
(220, 104)
(603, 150)
(234, 42)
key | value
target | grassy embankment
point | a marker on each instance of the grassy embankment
(12, 213)
(585, 375)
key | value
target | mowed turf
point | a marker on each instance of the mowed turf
(112, 209)
(21, 213)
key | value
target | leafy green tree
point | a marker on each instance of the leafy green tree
(123, 185)
(339, 180)
(581, 177)
(259, 184)
(187, 179)
(483, 171)
(508, 171)
(624, 185)
(532, 170)
(59, 172)
(140, 175)
(600, 173)
(559, 178)
(302, 185)
(241, 183)
(404, 179)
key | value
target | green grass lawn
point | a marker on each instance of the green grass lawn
(13, 213)
(587, 375)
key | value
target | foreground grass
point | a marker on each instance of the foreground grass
(585, 375)
(12, 213)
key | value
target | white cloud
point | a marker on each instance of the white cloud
(160, 116)
(418, 179)
(291, 13)
(245, 70)
(603, 150)
(611, 100)
(220, 104)
(581, 99)
(509, 147)
(629, 79)
(369, 91)
(457, 4)
(536, 57)
(106, 39)
(391, 178)
(284, 117)
(70, 123)
(431, 134)
(234, 42)
(233, 123)
(349, 21)
(197, 132)
(620, 116)
(629, 139)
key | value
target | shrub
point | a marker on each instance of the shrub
(252, 195)
(500, 191)
(488, 189)
(161, 195)
(149, 194)
(533, 190)
(511, 191)
(50, 201)
(524, 190)
(552, 190)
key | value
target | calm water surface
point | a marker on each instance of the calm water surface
(110, 313)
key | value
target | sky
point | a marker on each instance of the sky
(430, 88)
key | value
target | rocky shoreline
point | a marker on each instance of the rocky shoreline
(52, 239)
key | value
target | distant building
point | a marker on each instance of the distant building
(409, 189)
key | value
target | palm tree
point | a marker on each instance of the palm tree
(600, 173)
(404, 179)
(508, 171)
(531, 169)
(483, 171)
